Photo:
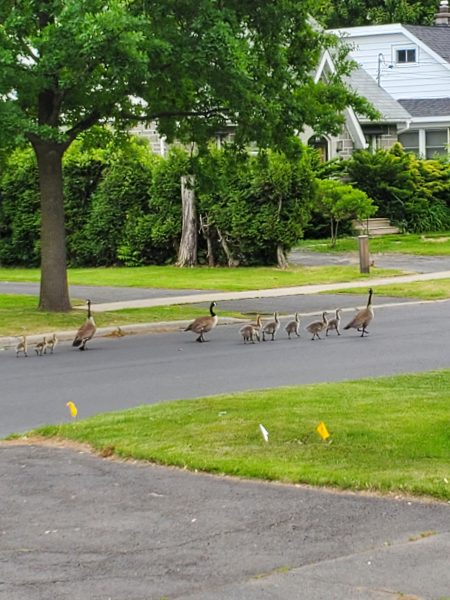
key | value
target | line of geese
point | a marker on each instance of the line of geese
(84, 334)
(257, 330)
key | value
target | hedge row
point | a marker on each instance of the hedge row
(123, 204)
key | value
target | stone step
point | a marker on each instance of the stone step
(375, 226)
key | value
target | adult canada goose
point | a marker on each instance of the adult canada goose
(271, 327)
(51, 343)
(318, 326)
(86, 331)
(335, 323)
(41, 347)
(363, 317)
(293, 326)
(22, 347)
(204, 324)
(249, 333)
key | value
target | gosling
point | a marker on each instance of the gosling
(22, 347)
(335, 323)
(318, 326)
(271, 327)
(249, 333)
(293, 326)
(41, 347)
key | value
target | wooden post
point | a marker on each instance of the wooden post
(364, 257)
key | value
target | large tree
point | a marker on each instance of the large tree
(194, 66)
(350, 13)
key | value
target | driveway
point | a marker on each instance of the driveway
(78, 527)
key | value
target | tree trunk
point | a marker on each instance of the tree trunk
(281, 257)
(223, 242)
(54, 291)
(187, 254)
(205, 227)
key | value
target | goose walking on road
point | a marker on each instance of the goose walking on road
(22, 347)
(86, 331)
(318, 326)
(41, 347)
(203, 325)
(335, 323)
(362, 318)
(271, 327)
(293, 326)
(249, 333)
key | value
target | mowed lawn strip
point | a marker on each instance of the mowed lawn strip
(203, 278)
(387, 434)
(429, 244)
(19, 316)
(434, 289)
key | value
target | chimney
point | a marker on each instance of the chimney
(442, 18)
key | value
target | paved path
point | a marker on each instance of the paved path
(78, 527)
(407, 262)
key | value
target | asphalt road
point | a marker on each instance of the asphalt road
(123, 372)
(76, 527)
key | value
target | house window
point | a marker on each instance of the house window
(410, 141)
(436, 142)
(405, 55)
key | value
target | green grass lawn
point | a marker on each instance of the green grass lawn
(202, 278)
(430, 244)
(387, 434)
(19, 316)
(437, 289)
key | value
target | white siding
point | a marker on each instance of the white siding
(428, 78)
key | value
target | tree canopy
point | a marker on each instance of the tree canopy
(351, 13)
(193, 66)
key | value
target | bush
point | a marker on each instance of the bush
(413, 193)
(20, 210)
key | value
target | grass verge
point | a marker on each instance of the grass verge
(19, 316)
(202, 278)
(437, 289)
(387, 434)
(431, 244)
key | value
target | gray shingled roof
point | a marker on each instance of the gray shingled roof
(427, 107)
(391, 111)
(436, 37)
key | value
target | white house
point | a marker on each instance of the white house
(411, 65)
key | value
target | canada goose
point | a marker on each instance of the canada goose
(86, 331)
(271, 327)
(317, 326)
(41, 347)
(51, 343)
(335, 323)
(293, 326)
(204, 324)
(249, 333)
(22, 347)
(363, 317)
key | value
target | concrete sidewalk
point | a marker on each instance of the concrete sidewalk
(203, 297)
(267, 293)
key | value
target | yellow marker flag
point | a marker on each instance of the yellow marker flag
(73, 409)
(322, 430)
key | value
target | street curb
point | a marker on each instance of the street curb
(174, 326)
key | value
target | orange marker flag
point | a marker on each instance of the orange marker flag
(322, 430)
(73, 409)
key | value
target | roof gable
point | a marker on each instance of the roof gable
(437, 38)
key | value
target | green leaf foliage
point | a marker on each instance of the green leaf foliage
(339, 202)
(413, 193)
(350, 13)
(19, 210)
